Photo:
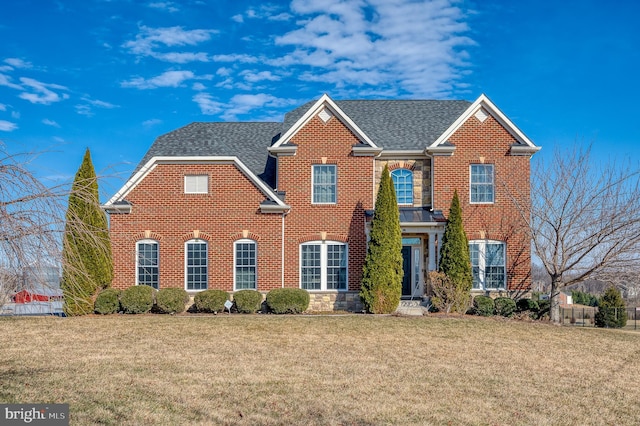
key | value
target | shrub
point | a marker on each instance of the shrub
(288, 300)
(527, 305)
(210, 300)
(107, 301)
(505, 306)
(171, 300)
(483, 305)
(611, 310)
(247, 301)
(545, 307)
(449, 295)
(137, 299)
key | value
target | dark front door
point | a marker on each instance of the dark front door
(406, 266)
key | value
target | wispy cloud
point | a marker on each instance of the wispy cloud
(18, 63)
(7, 126)
(3, 107)
(5, 80)
(169, 6)
(207, 104)
(166, 79)
(416, 47)
(152, 122)
(38, 92)
(149, 41)
(241, 104)
(51, 123)
(89, 104)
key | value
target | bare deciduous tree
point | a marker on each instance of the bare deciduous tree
(584, 219)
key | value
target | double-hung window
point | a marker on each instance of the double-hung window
(147, 257)
(196, 265)
(482, 183)
(488, 264)
(245, 275)
(323, 265)
(324, 185)
(403, 185)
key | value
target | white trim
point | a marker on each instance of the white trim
(483, 102)
(147, 241)
(323, 264)
(493, 183)
(245, 241)
(398, 154)
(153, 162)
(324, 102)
(186, 265)
(482, 249)
(196, 180)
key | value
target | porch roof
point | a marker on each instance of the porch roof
(416, 215)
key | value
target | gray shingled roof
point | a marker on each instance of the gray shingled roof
(391, 124)
(396, 124)
(247, 141)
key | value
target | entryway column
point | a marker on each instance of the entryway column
(432, 251)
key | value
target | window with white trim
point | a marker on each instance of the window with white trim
(488, 264)
(245, 261)
(196, 265)
(147, 263)
(196, 184)
(403, 185)
(481, 183)
(324, 185)
(323, 265)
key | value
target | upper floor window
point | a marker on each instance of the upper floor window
(482, 186)
(403, 185)
(147, 265)
(488, 264)
(245, 264)
(196, 265)
(196, 184)
(323, 265)
(324, 187)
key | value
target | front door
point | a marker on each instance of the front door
(406, 266)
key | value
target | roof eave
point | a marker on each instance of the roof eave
(518, 149)
(365, 151)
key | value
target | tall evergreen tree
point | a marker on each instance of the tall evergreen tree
(382, 273)
(86, 258)
(455, 262)
(611, 310)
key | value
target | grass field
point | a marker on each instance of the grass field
(321, 370)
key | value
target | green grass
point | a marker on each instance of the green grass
(320, 370)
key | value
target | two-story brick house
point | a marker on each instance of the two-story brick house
(266, 205)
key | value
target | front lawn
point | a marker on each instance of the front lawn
(320, 370)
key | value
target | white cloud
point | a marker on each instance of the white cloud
(416, 47)
(99, 103)
(207, 105)
(18, 63)
(242, 58)
(152, 122)
(15, 115)
(237, 18)
(5, 80)
(50, 123)
(3, 107)
(7, 126)
(198, 87)
(41, 93)
(169, 6)
(149, 40)
(241, 104)
(166, 79)
(254, 77)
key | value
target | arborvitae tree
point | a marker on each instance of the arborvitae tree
(454, 254)
(86, 258)
(611, 310)
(382, 273)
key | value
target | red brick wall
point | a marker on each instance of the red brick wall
(343, 221)
(231, 206)
(488, 142)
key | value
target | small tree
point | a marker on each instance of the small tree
(87, 263)
(447, 296)
(455, 262)
(381, 287)
(611, 310)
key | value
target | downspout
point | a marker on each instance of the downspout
(282, 251)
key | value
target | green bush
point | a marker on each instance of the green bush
(247, 301)
(171, 300)
(210, 300)
(505, 306)
(524, 305)
(545, 307)
(107, 301)
(611, 310)
(288, 300)
(483, 305)
(137, 299)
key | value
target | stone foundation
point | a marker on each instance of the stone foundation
(335, 301)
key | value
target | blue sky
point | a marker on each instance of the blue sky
(114, 75)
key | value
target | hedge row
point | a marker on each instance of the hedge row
(142, 299)
(506, 307)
